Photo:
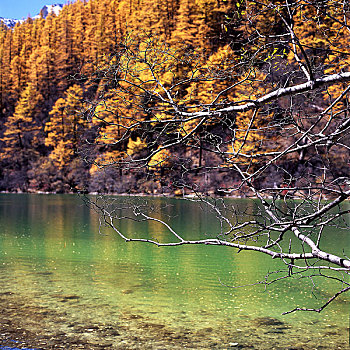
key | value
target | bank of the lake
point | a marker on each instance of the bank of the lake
(65, 285)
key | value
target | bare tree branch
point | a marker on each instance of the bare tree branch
(264, 116)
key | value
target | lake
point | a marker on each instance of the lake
(66, 285)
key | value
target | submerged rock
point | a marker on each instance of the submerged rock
(127, 291)
(267, 321)
(65, 298)
(204, 331)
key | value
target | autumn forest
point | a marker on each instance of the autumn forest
(53, 70)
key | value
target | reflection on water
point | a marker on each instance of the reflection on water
(65, 279)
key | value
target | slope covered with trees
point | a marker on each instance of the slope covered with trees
(61, 104)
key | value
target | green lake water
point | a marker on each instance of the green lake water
(93, 287)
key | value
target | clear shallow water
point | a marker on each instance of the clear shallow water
(81, 283)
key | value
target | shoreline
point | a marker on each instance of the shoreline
(163, 195)
(139, 194)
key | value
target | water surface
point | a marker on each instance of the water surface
(64, 278)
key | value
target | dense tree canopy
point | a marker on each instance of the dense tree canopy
(216, 51)
(41, 56)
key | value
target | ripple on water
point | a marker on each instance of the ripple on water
(96, 291)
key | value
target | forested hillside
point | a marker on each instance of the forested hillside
(50, 70)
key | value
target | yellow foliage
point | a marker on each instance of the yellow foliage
(37, 56)
(64, 125)
(135, 146)
(105, 159)
(62, 154)
(21, 131)
(161, 159)
(245, 141)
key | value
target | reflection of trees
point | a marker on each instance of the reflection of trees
(181, 285)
